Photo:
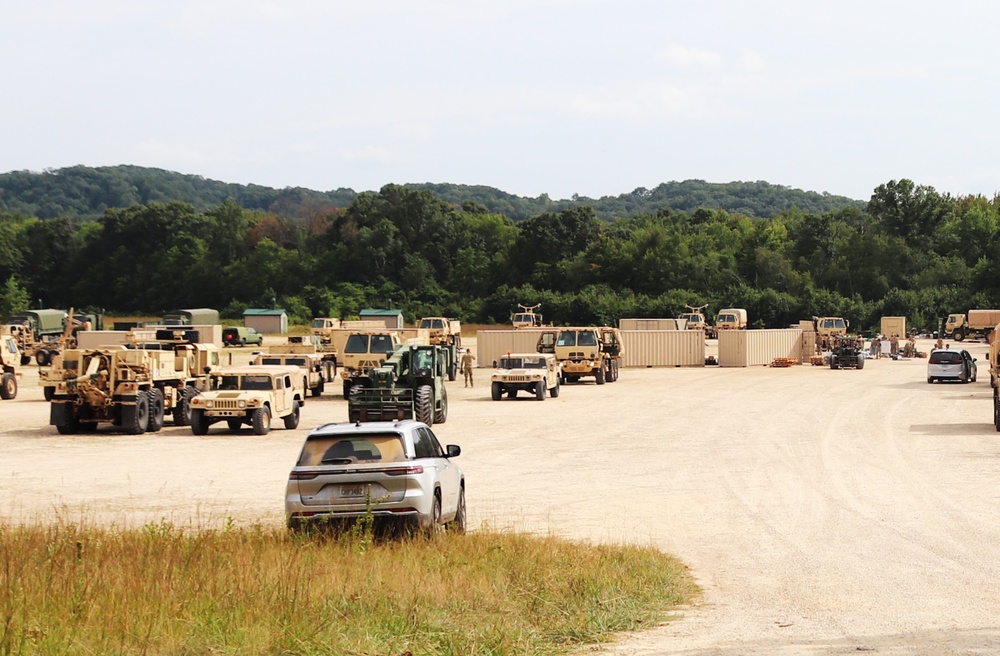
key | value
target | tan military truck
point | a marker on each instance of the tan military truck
(585, 351)
(309, 364)
(534, 373)
(310, 345)
(731, 319)
(131, 386)
(252, 395)
(365, 350)
(442, 331)
(695, 318)
(10, 359)
(526, 317)
(995, 375)
(827, 330)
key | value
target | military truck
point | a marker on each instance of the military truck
(309, 364)
(131, 386)
(311, 345)
(409, 385)
(363, 351)
(526, 317)
(977, 323)
(192, 317)
(731, 319)
(585, 351)
(846, 352)
(442, 330)
(534, 373)
(828, 329)
(38, 333)
(695, 317)
(252, 395)
(10, 358)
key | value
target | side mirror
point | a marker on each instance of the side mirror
(453, 451)
(495, 364)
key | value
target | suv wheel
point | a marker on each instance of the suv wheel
(458, 524)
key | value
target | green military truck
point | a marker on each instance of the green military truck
(192, 317)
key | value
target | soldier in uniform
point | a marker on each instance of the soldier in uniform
(466, 364)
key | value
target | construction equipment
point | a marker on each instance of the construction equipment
(526, 317)
(363, 351)
(583, 352)
(10, 358)
(847, 353)
(131, 385)
(409, 385)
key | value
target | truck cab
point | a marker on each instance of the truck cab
(584, 351)
(364, 351)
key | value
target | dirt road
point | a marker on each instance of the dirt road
(824, 512)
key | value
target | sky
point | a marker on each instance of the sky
(575, 97)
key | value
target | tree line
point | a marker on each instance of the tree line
(908, 251)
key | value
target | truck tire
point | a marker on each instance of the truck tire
(347, 390)
(48, 392)
(958, 335)
(261, 421)
(452, 372)
(199, 422)
(234, 424)
(155, 410)
(599, 375)
(8, 386)
(135, 418)
(68, 424)
(292, 419)
(423, 403)
(182, 411)
(320, 386)
(996, 409)
(43, 358)
(442, 414)
(554, 392)
(496, 391)
(25, 360)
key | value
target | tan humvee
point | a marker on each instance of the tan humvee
(529, 372)
(249, 394)
(310, 364)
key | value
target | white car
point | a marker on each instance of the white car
(951, 364)
(397, 471)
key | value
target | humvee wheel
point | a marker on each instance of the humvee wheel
(136, 418)
(496, 391)
(554, 392)
(25, 360)
(316, 391)
(43, 358)
(234, 424)
(48, 392)
(199, 422)
(155, 410)
(599, 375)
(424, 405)
(70, 424)
(8, 387)
(540, 390)
(292, 420)
(261, 420)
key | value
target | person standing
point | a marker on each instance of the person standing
(467, 360)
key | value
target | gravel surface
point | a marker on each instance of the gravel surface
(823, 512)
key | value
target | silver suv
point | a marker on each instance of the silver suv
(398, 471)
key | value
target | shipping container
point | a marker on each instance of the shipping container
(207, 334)
(91, 339)
(893, 326)
(492, 344)
(748, 348)
(652, 324)
(664, 348)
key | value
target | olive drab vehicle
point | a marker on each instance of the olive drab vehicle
(364, 351)
(585, 351)
(132, 386)
(534, 373)
(10, 359)
(847, 352)
(409, 385)
(250, 394)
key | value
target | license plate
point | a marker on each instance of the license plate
(352, 491)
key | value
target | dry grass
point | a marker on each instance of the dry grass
(69, 589)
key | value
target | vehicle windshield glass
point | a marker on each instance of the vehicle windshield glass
(566, 338)
(270, 361)
(340, 449)
(534, 363)
(586, 339)
(510, 363)
(945, 357)
(317, 323)
(382, 344)
(356, 344)
(246, 382)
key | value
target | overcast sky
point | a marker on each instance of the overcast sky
(529, 96)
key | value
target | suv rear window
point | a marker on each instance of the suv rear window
(342, 449)
(945, 357)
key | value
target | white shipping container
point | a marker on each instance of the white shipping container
(652, 324)
(492, 344)
(663, 348)
(748, 348)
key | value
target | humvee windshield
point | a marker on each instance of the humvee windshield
(522, 363)
(246, 382)
(360, 344)
(318, 323)
(435, 324)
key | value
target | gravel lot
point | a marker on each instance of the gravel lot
(823, 512)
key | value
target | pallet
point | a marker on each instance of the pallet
(817, 360)
(784, 362)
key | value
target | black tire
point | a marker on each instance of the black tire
(8, 387)
(347, 389)
(70, 425)
(958, 335)
(452, 372)
(43, 358)
(442, 416)
(612, 371)
(458, 525)
(234, 424)
(496, 391)
(861, 362)
(25, 360)
(599, 375)
(929, 380)
(316, 391)
(48, 392)
(540, 390)
(424, 405)
(243, 342)
(136, 418)
(155, 410)
(996, 410)
(260, 421)
(292, 420)
(975, 374)
(199, 422)
(554, 392)
(964, 378)
(182, 411)
(434, 525)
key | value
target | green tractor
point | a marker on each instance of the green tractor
(847, 352)
(409, 385)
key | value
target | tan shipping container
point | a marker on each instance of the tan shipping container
(893, 326)
(207, 334)
(652, 324)
(748, 348)
(90, 339)
(664, 348)
(808, 345)
(492, 344)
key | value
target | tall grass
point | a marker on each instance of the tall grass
(71, 589)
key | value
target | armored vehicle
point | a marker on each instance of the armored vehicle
(310, 366)
(526, 317)
(250, 394)
(310, 345)
(695, 317)
(827, 329)
(410, 385)
(533, 373)
(731, 319)
(38, 333)
(583, 352)
(442, 330)
(10, 358)
(131, 386)
(192, 317)
(363, 351)
(847, 353)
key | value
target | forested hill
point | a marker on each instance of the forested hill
(85, 193)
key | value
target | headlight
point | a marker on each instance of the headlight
(241, 404)
(209, 404)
